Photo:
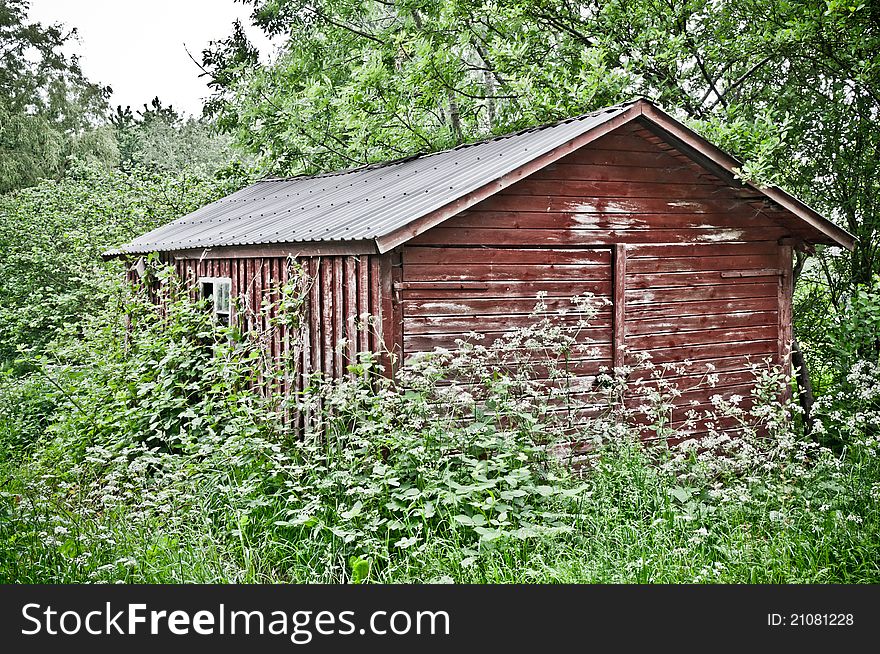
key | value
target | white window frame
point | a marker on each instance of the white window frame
(222, 312)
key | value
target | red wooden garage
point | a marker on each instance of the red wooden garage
(625, 203)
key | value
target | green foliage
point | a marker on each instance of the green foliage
(360, 570)
(52, 235)
(159, 137)
(365, 81)
(840, 336)
(762, 135)
(27, 402)
(847, 412)
(134, 418)
(856, 336)
(164, 389)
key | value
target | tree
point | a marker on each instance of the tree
(52, 235)
(47, 107)
(158, 136)
(360, 81)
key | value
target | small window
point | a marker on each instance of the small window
(218, 292)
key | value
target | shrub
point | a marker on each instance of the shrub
(849, 410)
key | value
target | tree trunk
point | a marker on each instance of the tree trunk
(455, 117)
(805, 386)
(489, 83)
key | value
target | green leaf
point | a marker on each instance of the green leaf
(681, 493)
(488, 534)
(353, 512)
(360, 569)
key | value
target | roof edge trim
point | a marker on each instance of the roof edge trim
(293, 249)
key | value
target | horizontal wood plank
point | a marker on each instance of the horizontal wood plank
(699, 308)
(449, 234)
(509, 256)
(486, 273)
(426, 343)
(702, 396)
(612, 204)
(609, 221)
(621, 140)
(697, 190)
(481, 306)
(725, 378)
(490, 323)
(614, 173)
(630, 158)
(753, 350)
(700, 337)
(755, 265)
(761, 248)
(688, 279)
(518, 290)
(713, 292)
(695, 367)
(673, 323)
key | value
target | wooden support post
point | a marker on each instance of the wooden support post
(386, 330)
(785, 333)
(786, 283)
(618, 295)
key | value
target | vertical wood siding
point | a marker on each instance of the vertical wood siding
(340, 290)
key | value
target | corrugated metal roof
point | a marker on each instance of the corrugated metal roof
(360, 204)
(371, 203)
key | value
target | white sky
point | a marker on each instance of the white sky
(137, 47)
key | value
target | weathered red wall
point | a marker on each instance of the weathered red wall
(705, 277)
(448, 292)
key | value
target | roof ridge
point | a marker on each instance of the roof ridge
(422, 155)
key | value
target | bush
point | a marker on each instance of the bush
(52, 235)
(849, 410)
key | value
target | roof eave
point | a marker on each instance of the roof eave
(114, 253)
(836, 235)
(256, 250)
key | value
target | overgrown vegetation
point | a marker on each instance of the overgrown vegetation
(161, 460)
(52, 236)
